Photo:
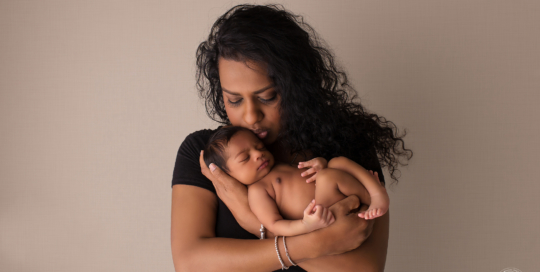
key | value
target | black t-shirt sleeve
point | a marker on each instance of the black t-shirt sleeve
(187, 169)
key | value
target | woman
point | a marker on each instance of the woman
(263, 68)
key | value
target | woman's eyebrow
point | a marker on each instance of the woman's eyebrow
(255, 92)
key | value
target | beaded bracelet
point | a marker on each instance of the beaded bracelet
(263, 231)
(283, 267)
(287, 252)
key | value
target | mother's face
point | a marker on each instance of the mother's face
(250, 98)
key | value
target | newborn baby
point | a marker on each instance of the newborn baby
(279, 195)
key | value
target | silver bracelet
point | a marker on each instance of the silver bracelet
(283, 267)
(263, 232)
(287, 252)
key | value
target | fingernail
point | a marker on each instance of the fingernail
(212, 167)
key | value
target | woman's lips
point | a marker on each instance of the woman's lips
(265, 163)
(261, 133)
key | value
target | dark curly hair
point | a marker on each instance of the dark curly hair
(319, 113)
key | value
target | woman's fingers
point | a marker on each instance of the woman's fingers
(204, 168)
(221, 180)
(324, 212)
(376, 175)
(345, 206)
(330, 217)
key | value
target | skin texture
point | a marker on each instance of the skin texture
(193, 242)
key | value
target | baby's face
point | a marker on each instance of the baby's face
(248, 159)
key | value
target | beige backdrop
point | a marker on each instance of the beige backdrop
(96, 97)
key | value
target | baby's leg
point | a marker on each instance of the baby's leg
(333, 185)
(379, 197)
(340, 182)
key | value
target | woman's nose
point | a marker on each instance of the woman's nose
(252, 114)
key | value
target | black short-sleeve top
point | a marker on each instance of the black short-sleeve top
(187, 170)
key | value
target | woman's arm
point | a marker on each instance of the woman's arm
(195, 247)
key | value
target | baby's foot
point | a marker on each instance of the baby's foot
(379, 206)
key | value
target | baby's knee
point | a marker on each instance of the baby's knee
(327, 176)
(336, 161)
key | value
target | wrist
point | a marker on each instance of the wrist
(314, 242)
(306, 226)
(304, 247)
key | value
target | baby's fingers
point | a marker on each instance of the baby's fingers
(308, 172)
(305, 164)
(310, 208)
(318, 211)
(311, 179)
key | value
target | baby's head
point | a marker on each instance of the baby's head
(238, 151)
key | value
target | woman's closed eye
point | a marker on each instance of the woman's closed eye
(234, 103)
(263, 100)
(269, 100)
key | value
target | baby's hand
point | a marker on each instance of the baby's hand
(315, 165)
(317, 217)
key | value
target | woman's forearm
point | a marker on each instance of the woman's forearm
(195, 247)
(225, 254)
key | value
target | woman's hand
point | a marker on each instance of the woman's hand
(233, 194)
(223, 183)
(348, 231)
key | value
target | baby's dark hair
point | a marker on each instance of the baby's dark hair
(214, 152)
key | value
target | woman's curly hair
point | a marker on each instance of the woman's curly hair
(318, 109)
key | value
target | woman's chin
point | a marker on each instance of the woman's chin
(269, 139)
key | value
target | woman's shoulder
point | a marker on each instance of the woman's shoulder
(203, 133)
(187, 169)
(197, 140)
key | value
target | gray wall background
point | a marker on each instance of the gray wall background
(96, 97)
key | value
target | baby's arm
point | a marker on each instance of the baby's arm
(266, 210)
